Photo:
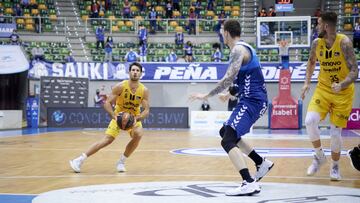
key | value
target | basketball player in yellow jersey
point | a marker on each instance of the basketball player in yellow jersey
(129, 95)
(334, 92)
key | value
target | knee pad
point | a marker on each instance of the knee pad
(222, 131)
(336, 140)
(230, 139)
(312, 121)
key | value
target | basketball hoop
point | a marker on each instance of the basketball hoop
(283, 48)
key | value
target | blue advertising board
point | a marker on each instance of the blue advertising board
(6, 29)
(160, 72)
(91, 117)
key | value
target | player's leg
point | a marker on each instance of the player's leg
(228, 142)
(136, 134)
(263, 165)
(336, 143)
(317, 110)
(342, 106)
(312, 121)
(77, 162)
(250, 114)
(111, 132)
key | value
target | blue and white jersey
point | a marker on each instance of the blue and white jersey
(188, 50)
(143, 50)
(217, 56)
(142, 34)
(179, 38)
(250, 79)
(171, 58)
(131, 56)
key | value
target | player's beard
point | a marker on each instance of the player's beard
(322, 34)
(133, 78)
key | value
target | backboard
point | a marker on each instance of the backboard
(271, 30)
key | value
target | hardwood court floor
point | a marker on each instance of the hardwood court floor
(33, 164)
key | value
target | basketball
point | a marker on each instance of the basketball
(125, 120)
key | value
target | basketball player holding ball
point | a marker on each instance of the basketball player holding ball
(128, 96)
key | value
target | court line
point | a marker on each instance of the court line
(73, 149)
(355, 132)
(18, 194)
(169, 175)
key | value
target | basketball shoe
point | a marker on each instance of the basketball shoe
(335, 172)
(316, 164)
(120, 167)
(263, 169)
(75, 164)
(246, 189)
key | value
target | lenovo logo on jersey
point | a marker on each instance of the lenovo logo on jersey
(355, 116)
(331, 63)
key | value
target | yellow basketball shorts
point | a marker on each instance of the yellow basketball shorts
(338, 106)
(114, 130)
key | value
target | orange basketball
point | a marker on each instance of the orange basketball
(125, 120)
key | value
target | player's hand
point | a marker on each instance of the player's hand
(135, 120)
(336, 87)
(224, 97)
(304, 90)
(198, 96)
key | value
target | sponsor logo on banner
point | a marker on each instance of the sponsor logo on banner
(167, 117)
(284, 113)
(284, 110)
(197, 191)
(6, 29)
(354, 119)
(90, 117)
(208, 119)
(160, 72)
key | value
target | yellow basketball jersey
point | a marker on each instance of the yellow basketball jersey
(333, 67)
(129, 101)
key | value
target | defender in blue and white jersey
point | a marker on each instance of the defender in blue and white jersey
(245, 74)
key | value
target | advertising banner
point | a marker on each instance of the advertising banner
(284, 112)
(6, 29)
(32, 112)
(12, 59)
(92, 117)
(167, 117)
(354, 119)
(159, 72)
(208, 119)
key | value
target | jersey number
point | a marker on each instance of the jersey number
(132, 97)
(334, 78)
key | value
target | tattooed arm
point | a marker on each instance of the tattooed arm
(310, 68)
(349, 54)
(237, 57)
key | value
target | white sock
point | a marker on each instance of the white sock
(319, 152)
(82, 157)
(335, 163)
(123, 158)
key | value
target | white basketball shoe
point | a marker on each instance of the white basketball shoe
(75, 164)
(246, 189)
(120, 167)
(335, 172)
(263, 169)
(316, 164)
